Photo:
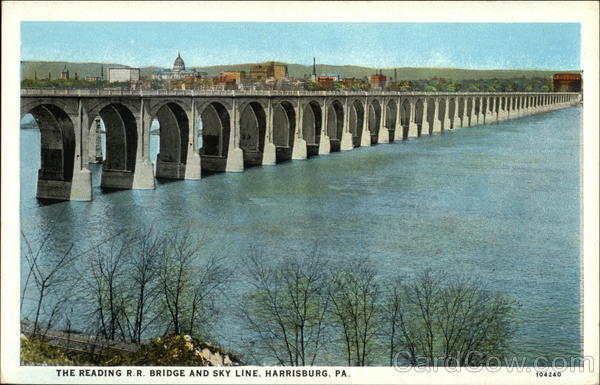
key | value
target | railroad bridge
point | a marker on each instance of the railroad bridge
(215, 131)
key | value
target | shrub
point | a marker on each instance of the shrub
(37, 351)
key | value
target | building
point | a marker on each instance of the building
(326, 82)
(237, 77)
(64, 75)
(566, 82)
(178, 71)
(123, 75)
(378, 81)
(92, 78)
(264, 71)
(335, 77)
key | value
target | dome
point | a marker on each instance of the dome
(178, 65)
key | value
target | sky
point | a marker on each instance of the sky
(552, 46)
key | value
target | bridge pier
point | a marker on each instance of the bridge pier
(269, 151)
(193, 162)
(346, 142)
(398, 129)
(436, 124)
(235, 160)
(455, 119)
(383, 134)
(235, 155)
(446, 119)
(324, 140)
(413, 128)
(324, 145)
(425, 126)
(143, 176)
(365, 136)
(299, 150)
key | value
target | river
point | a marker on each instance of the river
(500, 202)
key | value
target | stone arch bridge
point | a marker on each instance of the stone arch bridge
(215, 131)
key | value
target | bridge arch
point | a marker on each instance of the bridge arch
(419, 118)
(311, 126)
(356, 116)
(374, 119)
(253, 126)
(57, 136)
(121, 146)
(390, 119)
(284, 130)
(335, 124)
(405, 116)
(213, 127)
(174, 136)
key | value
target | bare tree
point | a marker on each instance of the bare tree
(187, 285)
(108, 285)
(409, 315)
(286, 310)
(474, 323)
(354, 294)
(50, 280)
(447, 317)
(144, 289)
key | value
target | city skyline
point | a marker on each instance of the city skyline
(537, 46)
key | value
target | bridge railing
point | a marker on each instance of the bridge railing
(87, 92)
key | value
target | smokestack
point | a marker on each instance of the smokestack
(314, 66)
(395, 75)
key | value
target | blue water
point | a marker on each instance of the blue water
(499, 202)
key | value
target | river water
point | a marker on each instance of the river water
(500, 202)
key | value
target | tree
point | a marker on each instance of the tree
(354, 294)
(449, 318)
(108, 287)
(142, 273)
(49, 278)
(187, 287)
(50, 273)
(286, 308)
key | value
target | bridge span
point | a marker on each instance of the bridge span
(216, 131)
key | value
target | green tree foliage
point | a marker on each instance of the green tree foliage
(70, 83)
(472, 85)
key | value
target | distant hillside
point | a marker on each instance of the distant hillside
(403, 73)
(29, 68)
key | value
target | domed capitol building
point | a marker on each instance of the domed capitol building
(178, 71)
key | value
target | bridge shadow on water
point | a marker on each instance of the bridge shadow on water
(49, 202)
